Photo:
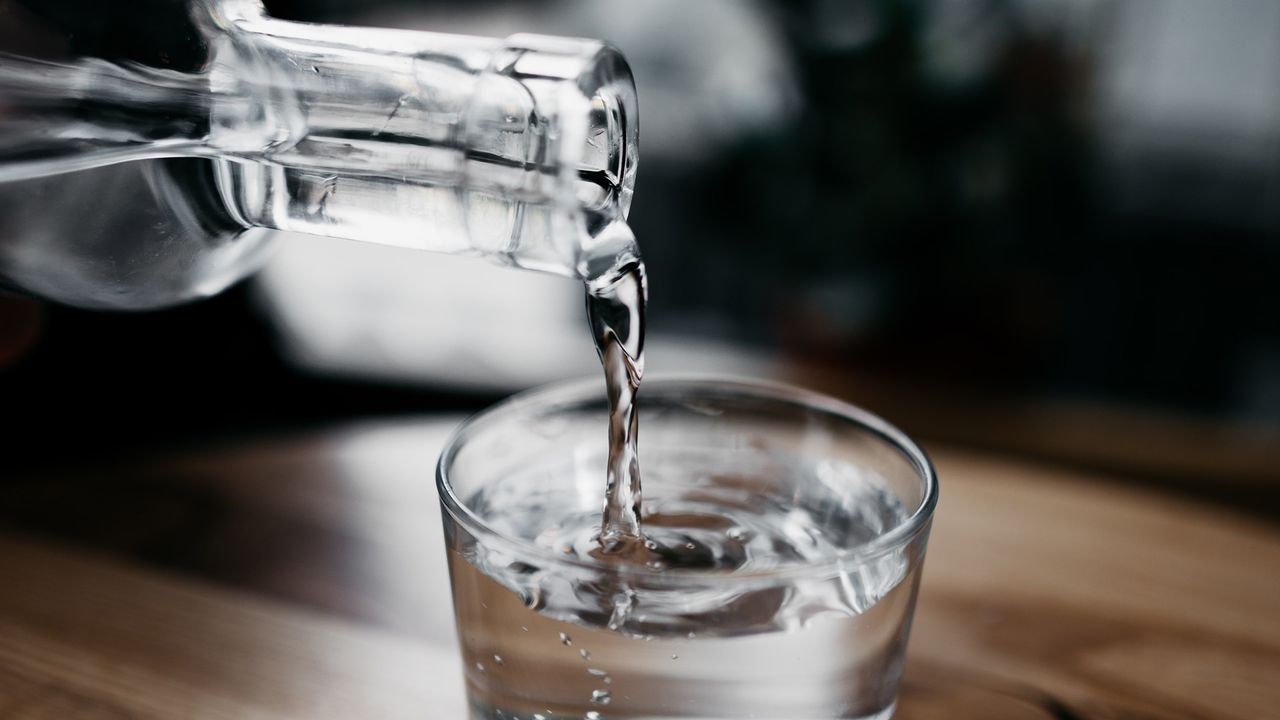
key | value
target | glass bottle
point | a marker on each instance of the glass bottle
(148, 147)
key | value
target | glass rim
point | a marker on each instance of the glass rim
(568, 392)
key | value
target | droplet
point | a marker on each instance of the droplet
(600, 697)
(675, 657)
(566, 640)
(596, 672)
(480, 667)
(524, 628)
(593, 715)
(498, 659)
(539, 716)
(622, 604)
(585, 655)
(650, 545)
(690, 546)
(693, 635)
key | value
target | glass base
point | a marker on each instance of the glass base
(481, 711)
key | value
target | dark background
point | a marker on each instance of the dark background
(975, 221)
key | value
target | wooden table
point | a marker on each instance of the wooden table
(303, 578)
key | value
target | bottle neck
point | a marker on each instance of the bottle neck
(522, 150)
(342, 99)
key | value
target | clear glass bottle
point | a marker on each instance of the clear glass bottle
(148, 147)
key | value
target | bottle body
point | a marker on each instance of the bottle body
(519, 150)
(126, 236)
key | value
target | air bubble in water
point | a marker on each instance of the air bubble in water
(600, 697)
(480, 667)
(585, 655)
(532, 598)
(498, 659)
(593, 715)
(566, 640)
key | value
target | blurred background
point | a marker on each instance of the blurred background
(1045, 227)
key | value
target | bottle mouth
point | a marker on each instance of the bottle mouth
(606, 170)
(585, 90)
(551, 133)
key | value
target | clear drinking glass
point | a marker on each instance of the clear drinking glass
(787, 531)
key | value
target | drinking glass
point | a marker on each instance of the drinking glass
(785, 536)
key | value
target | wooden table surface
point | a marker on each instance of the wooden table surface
(304, 577)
